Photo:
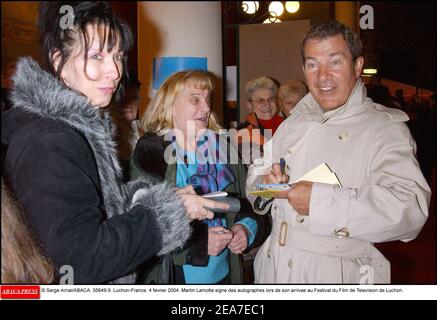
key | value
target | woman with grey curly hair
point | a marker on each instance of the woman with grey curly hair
(262, 121)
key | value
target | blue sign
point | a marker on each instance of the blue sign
(164, 67)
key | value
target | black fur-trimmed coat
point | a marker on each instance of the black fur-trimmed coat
(62, 165)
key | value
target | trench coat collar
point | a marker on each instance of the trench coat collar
(308, 106)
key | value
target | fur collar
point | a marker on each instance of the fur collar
(357, 102)
(38, 92)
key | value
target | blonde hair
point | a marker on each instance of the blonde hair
(260, 83)
(22, 258)
(159, 115)
(293, 86)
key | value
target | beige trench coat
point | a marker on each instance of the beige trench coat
(384, 196)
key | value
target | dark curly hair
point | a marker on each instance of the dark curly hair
(55, 37)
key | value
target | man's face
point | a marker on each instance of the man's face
(330, 72)
(131, 104)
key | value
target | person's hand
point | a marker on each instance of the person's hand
(195, 205)
(188, 189)
(218, 239)
(240, 240)
(298, 196)
(275, 175)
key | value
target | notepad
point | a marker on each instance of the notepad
(322, 173)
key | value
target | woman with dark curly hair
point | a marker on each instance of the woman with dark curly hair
(61, 160)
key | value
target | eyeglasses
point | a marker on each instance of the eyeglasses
(261, 102)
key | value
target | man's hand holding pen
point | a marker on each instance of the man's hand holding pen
(299, 193)
(276, 175)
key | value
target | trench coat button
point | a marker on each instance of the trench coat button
(258, 161)
(268, 254)
(343, 135)
(342, 233)
(300, 218)
(290, 263)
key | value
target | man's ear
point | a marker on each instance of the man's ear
(359, 63)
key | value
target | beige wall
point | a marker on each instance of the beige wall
(271, 50)
(170, 29)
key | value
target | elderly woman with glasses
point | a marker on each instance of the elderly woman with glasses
(261, 96)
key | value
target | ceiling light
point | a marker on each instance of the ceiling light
(250, 7)
(276, 8)
(272, 20)
(292, 6)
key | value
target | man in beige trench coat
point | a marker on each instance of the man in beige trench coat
(323, 233)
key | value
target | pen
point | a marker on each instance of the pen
(282, 164)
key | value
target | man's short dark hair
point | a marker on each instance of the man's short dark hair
(132, 80)
(331, 28)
